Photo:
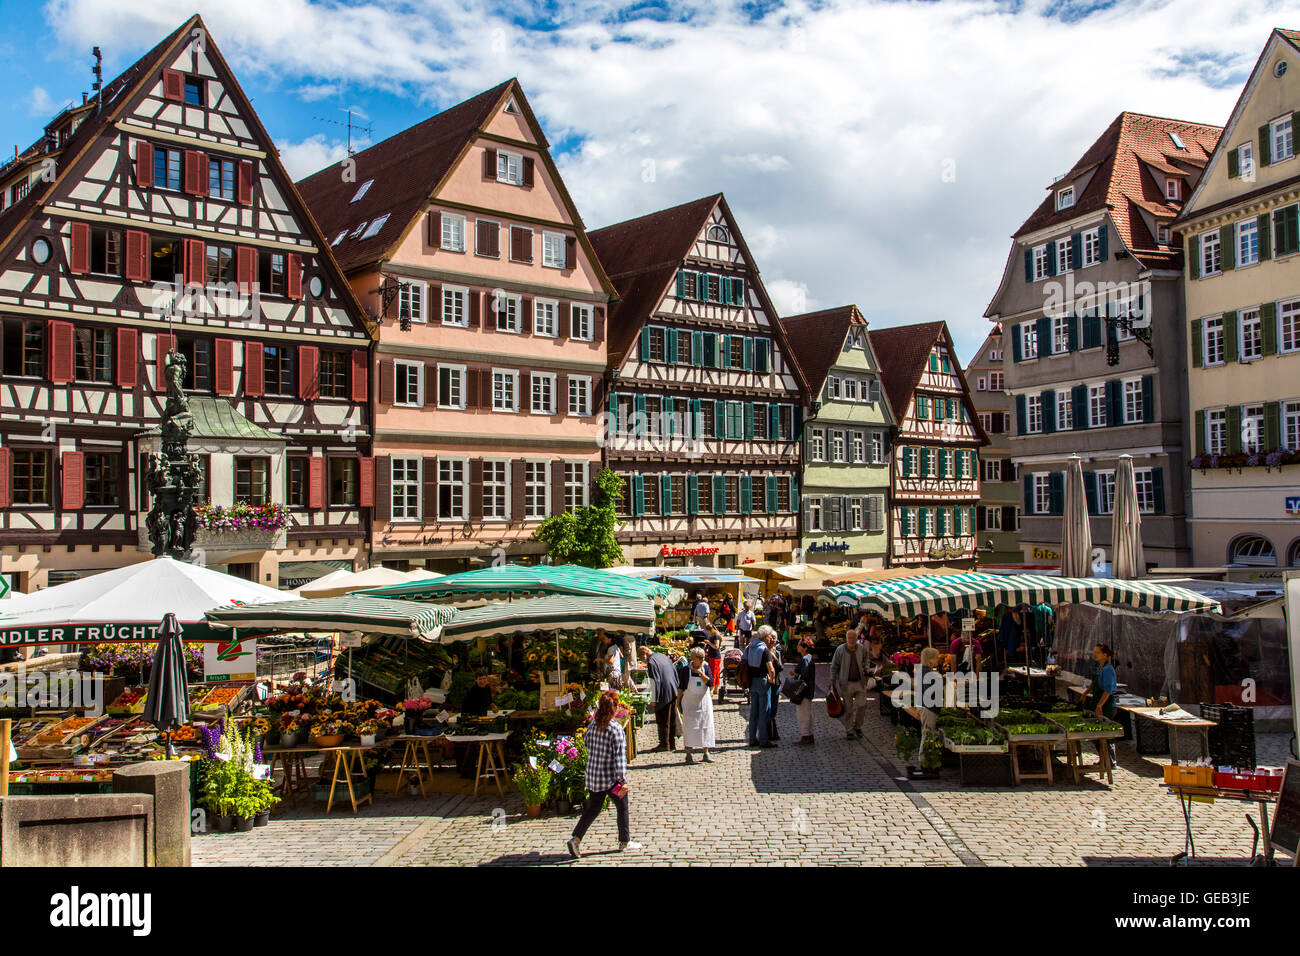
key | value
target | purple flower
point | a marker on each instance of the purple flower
(1274, 459)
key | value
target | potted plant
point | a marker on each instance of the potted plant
(368, 732)
(413, 710)
(533, 784)
(906, 740)
(328, 733)
(288, 727)
(266, 800)
(931, 754)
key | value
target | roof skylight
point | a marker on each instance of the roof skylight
(362, 190)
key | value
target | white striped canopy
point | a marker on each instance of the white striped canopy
(909, 597)
(558, 612)
(353, 613)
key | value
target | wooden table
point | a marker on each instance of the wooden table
(1199, 724)
(1103, 765)
(347, 757)
(491, 755)
(415, 747)
(1188, 795)
(1045, 746)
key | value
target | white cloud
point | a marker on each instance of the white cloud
(912, 139)
(39, 103)
(311, 154)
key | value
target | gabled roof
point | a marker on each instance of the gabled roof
(1122, 181)
(817, 339)
(903, 353)
(407, 169)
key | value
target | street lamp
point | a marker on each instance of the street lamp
(1133, 322)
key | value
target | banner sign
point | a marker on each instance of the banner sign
(106, 633)
(230, 660)
(829, 546)
(668, 551)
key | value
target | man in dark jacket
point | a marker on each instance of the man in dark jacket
(663, 675)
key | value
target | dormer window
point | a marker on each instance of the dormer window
(362, 190)
(1173, 190)
(1163, 235)
(1064, 198)
(339, 238)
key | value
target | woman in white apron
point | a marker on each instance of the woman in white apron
(697, 708)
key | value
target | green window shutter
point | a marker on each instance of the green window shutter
(724, 351)
(719, 495)
(697, 348)
(1016, 355)
(1200, 433)
(1028, 482)
(941, 461)
(1044, 328)
(1230, 336)
(719, 419)
(1158, 489)
(701, 287)
(1072, 332)
(1198, 345)
(670, 420)
(746, 494)
(925, 462)
(1234, 429)
(1022, 415)
(1268, 320)
(762, 356)
(693, 494)
(959, 463)
(769, 496)
(1051, 258)
(1286, 231)
(645, 345)
(1264, 224)
(1056, 493)
(1048, 405)
(1148, 398)
(1029, 265)
(1103, 242)
(670, 346)
(696, 429)
(1265, 146)
(639, 404)
(794, 494)
(773, 421)
(1272, 426)
(638, 495)
(907, 461)
(681, 283)
(1076, 250)
(1228, 247)
(1092, 331)
(665, 495)
(749, 354)
(1079, 401)
(941, 521)
(748, 420)
(1114, 402)
(796, 419)
(1193, 260)
(710, 340)
(1234, 164)
(1090, 491)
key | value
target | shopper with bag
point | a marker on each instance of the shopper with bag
(606, 774)
(801, 687)
(697, 707)
(774, 691)
(663, 679)
(762, 675)
(849, 681)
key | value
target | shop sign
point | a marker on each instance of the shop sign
(93, 634)
(670, 551)
(230, 660)
(941, 553)
(1044, 554)
(829, 546)
(1293, 504)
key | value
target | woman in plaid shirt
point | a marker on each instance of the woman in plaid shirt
(606, 774)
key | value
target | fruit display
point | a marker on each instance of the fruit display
(218, 700)
(115, 726)
(26, 731)
(130, 701)
(185, 734)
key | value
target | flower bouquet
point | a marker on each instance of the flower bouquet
(289, 729)
(414, 709)
(367, 731)
(328, 733)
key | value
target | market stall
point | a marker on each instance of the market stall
(512, 581)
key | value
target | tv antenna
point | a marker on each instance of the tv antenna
(368, 129)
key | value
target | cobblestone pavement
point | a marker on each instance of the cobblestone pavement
(839, 802)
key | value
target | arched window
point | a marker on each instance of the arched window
(719, 234)
(1293, 554)
(1252, 550)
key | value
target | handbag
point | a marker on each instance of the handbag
(794, 688)
(834, 703)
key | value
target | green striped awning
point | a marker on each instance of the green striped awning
(517, 580)
(909, 597)
(352, 613)
(560, 612)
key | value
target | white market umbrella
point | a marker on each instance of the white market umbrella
(1076, 535)
(1128, 562)
(339, 583)
(136, 597)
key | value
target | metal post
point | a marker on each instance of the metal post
(4, 757)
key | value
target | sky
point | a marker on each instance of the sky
(878, 153)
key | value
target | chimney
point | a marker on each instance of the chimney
(83, 99)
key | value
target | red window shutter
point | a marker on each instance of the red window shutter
(128, 357)
(489, 164)
(225, 376)
(60, 363)
(165, 344)
(144, 165)
(570, 251)
(253, 369)
(173, 85)
(245, 267)
(245, 191)
(74, 488)
(360, 377)
(598, 324)
(137, 256)
(316, 482)
(6, 466)
(308, 372)
(528, 172)
(196, 172)
(366, 480)
(194, 262)
(79, 260)
(387, 382)
(294, 284)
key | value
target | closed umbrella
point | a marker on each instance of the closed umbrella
(1126, 525)
(1076, 535)
(167, 705)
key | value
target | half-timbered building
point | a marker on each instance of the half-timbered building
(459, 236)
(167, 219)
(706, 401)
(935, 482)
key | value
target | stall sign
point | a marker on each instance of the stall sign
(107, 633)
(669, 551)
(1293, 504)
(1045, 554)
(230, 660)
(829, 546)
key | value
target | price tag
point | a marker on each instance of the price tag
(261, 771)
(556, 766)
(564, 701)
(968, 625)
(532, 762)
(604, 685)
(442, 716)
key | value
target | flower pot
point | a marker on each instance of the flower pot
(262, 819)
(534, 810)
(333, 740)
(288, 740)
(413, 720)
(563, 808)
(223, 824)
(243, 824)
(367, 740)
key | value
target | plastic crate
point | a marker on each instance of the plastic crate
(986, 770)
(1186, 776)
(1150, 736)
(1232, 741)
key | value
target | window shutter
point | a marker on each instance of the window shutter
(1200, 433)
(316, 482)
(387, 382)
(475, 298)
(428, 490)
(981, 522)
(1090, 492)
(1198, 344)
(1016, 355)
(253, 370)
(136, 266)
(1193, 260)
(762, 356)
(366, 482)
(1029, 265)
(959, 464)
(1051, 258)
(1028, 481)
(196, 172)
(1230, 336)
(645, 345)
(1227, 247)
(747, 422)
(1043, 330)
(1076, 250)
(245, 267)
(1148, 398)
(1047, 401)
(1268, 325)
(1114, 403)
(1091, 331)
(769, 494)
(1264, 225)
(598, 324)
(60, 366)
(557, 487)
(681, 283)
(1022, 415)
(1072, 330)
(1272, 426)
(489, 163)
(1158, 489)
(941, 461)
(528, 173)
(692, 494)
(128, 357)
(360, 383)
(143, 164)
(193, 262)
(173, 82)
(244, 190)
(163, 344)
(1234, 429)
(224, 379)
(638, 495)
(308, 372)
(526, 315)
(1008, 518)
(293, 283)
(1265, 146)
(6, 467)
(746, 494)
(1056, 492)
(1103, 242)
(1079, 399)
(1234, 164)
(719, 494)
(72, 483)
(79, 259)
(925, 462)
(748, 351)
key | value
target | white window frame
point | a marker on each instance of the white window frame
(1246, 161)
(414, 294)
(1250, 332)
(1033, 414)
(815, 514)
(533, 381)
(457, 372)
(850, 390)
(402, 398)
(501, 306)
(1028, 337)
(1133, 409)
(1144, 480)
(1247, 234)
(1105, 491)
(1254, 412)
(409, 509)
(992, 469)
(1291, 424)
(450, 240)
(877, 448)
(839, 446)
(1213, 331)
(859, 448)
(576, 490)
(1173, 189)
(458, 297)
(1208, 248)
(1281, 138)
(505, 375)
(588, 323)
(1216, 431)
(583, 385)
(1164, 236)
(502, 485)
(996, 380)
(1042, 492)
(1064, 410)
(992, 518)
(510, 167)
(1098, 410)
(1288, 325)
(553, 326)
(1064, 257)
(1060, 335)
(448, 466)
(832, 388)
(982, 384)
(531, 486)
(1065, 198)
(818, 450)
(1091, 243)
(552, 250)
(1041, 262)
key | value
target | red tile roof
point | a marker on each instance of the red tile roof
(406, 169)
(1124, 183)
(817, 339)
(903, 352)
